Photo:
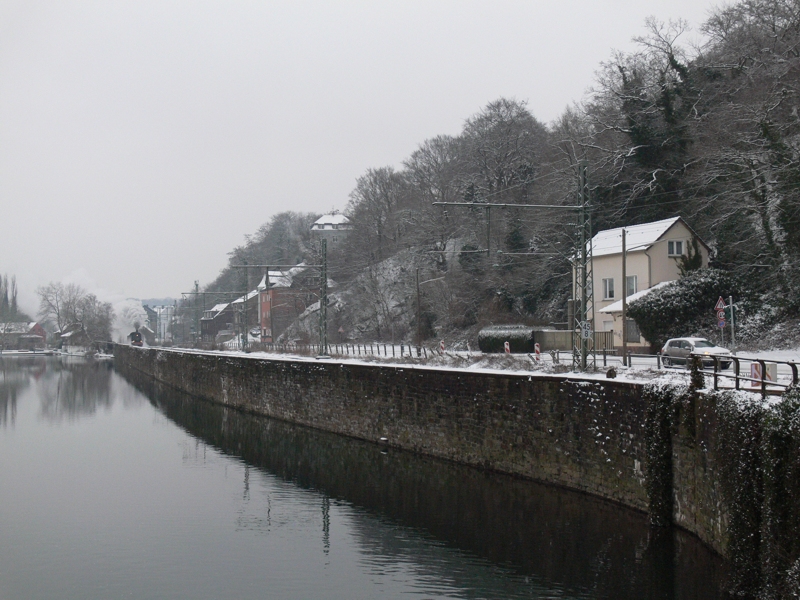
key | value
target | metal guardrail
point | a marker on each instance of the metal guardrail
(764, 384)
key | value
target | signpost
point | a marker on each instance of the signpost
(726, 312)
(719, 307)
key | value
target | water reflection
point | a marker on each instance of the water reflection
(75, 387)
(522, 539)
(16, 374)
(68, 387)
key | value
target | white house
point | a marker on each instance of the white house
(652, 255)
(333, 227)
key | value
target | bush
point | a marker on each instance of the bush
(519, 338)
(685, 307)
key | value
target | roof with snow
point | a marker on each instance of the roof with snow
(328, 221)
(247, 296)
(617, 306)
(637, 237)
(282, 279)
(18, 327)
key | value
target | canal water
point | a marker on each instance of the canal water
(116, 488)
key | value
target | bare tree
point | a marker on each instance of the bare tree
(61, 304)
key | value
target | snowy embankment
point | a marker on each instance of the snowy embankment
(473, 362)
(643, 370)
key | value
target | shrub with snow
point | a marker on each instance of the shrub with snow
(684, 307)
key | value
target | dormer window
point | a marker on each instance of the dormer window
(675, 247)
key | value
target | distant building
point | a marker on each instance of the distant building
(22, 336)
(653, 252)
(73, 339)
(165, 316)
(283, 296)
(152, 318)
(214, 320)
(333, 227)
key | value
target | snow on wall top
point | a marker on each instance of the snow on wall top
(638, 237)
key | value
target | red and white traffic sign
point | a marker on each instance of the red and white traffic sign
(720, 304)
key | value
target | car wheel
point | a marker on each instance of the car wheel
(665, 360)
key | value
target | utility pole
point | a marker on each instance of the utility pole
(197, 315)
(419, 318)
(323, 301)
(584, 295)
(624, 304)
(245, 333)
(271, 316)
(488, 231)
(733, 326)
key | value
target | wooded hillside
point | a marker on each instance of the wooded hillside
(707, 133)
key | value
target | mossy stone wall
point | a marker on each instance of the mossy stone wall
(594, 436)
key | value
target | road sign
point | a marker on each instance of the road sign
(721, 315)
(586, 330)
(721, 323)
(720, 304)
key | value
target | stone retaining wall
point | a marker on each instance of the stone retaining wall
(586, 435)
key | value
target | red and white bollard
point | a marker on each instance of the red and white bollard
(538, 352)
(507, 347)
(441, 345)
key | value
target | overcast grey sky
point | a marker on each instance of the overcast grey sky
(140, 141)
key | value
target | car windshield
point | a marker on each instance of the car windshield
(703, 344)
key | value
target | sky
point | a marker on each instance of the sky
(141, 141)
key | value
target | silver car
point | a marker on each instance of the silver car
(678, 350)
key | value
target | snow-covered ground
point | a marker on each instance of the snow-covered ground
(643, 369)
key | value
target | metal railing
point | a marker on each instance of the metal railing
(761, 382)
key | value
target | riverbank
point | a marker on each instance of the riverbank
(585, 435)
(722, 465)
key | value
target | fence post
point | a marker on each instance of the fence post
(736, 372)
(658, 360)
(604, 357)
(763, 378)
(794, 373)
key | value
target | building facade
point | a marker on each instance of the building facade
(653, 255)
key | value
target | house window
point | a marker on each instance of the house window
(608, 289)
(630, 288)
(675, 247)
(632, 333)
(608, 325)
